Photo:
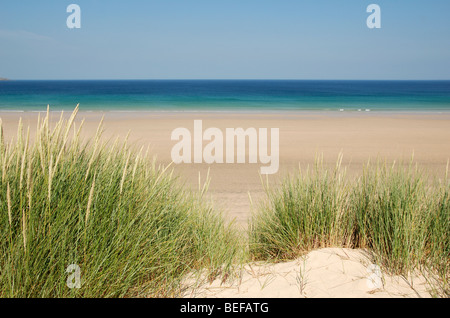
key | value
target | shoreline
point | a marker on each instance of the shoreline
(243, 111)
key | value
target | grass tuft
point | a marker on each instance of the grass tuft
(129, 225)
(397, 212)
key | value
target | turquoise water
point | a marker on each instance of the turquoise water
(223, 95)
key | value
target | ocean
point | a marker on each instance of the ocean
(224, 95)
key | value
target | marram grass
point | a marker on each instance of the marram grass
(128, 224)
(396, 212)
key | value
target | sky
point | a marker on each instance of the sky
(226, 39)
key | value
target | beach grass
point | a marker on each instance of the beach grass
(397, 212)
(128, 224)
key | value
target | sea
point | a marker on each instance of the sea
(224, 95)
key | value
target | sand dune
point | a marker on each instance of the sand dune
(329, 273)
(360, 137)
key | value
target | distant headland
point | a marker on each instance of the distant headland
(3, 79)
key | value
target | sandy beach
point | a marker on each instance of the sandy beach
(359, 136)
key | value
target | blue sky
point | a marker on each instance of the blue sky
(227, 39)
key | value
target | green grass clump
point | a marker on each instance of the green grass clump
(304, 213)
(396, 212)
(128, 224)
(404, 217)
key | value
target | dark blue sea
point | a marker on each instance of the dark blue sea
(225, 95)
